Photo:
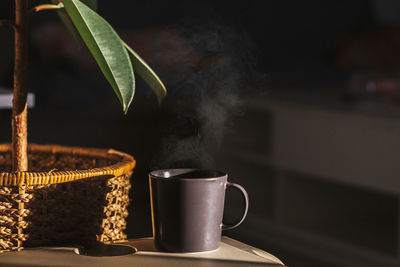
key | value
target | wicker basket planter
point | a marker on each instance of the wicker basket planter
(69, 196)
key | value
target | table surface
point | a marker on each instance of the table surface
(140, 252)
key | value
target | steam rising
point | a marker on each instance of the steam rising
(210, 70)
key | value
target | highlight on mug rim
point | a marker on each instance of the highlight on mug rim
(187, 174)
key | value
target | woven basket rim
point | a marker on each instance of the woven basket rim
(124, 165)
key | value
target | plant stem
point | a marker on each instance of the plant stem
(8, 23)
(46, 7)
(19, 112)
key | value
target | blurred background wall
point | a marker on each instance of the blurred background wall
(296, 100)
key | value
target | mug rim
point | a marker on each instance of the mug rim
(155, 174)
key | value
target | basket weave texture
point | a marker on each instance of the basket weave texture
(70, 195)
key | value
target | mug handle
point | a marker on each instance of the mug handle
(246, 199)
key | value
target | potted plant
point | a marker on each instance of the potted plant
(67, 194)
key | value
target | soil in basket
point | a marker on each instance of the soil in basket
(45, 162)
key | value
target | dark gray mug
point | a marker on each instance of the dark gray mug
(187, 208)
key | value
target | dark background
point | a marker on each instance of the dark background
(215, 57)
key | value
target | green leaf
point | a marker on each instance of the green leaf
(147, 74)
(106, 47)
(67, 21)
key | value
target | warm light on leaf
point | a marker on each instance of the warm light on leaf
(67, 21)
(106, 47)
